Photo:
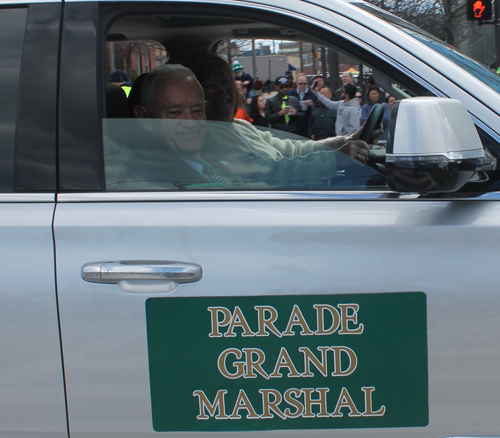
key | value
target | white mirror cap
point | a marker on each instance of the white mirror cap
(435, 126)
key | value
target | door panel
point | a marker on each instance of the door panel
(31, 378)
(447, 250)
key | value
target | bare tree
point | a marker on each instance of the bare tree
(444, 19)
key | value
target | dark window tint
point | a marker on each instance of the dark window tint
(12, 28)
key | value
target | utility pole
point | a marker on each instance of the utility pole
(254, 60)
(323, 65)
(333, 67)
(301, 58)
(315, 59)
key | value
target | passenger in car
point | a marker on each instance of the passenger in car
(215, 76)
(177, 154)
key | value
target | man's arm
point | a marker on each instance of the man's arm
(327, 102)
(295, 103)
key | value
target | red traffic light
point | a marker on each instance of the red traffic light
(479, 10)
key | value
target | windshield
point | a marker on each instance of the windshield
(473, 67)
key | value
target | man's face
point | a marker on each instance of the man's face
(220, 94)
(373, 96)
(282, 88)
(302, 84)
(346, 78)
(326, 92)
(179, 99)
(319, 82)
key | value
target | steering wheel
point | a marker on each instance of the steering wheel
(372, 122)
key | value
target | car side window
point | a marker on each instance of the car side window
(161, 134)
(12, 30)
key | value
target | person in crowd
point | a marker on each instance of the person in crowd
(389, 101)
(216, 78)
(306, 98)
(257, 112)
(177, 153)
(317, 83)
(258, 86)
(347, 122)
(267, 86)
(242, 112)
(290, 81)
(370, 82)
(374, 97)
(284, 111)
(120, 78)
(346, 78)
(322, 123)
(246, 80)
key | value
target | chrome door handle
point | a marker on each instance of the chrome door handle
(124, 271)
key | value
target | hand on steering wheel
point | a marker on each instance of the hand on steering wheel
(356, 149)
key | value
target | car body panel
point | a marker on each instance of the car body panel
(282, 248)
(32, 399)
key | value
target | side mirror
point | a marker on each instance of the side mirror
(432, 146)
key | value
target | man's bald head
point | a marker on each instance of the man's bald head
(165, 76)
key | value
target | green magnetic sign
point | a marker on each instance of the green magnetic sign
(288, 362)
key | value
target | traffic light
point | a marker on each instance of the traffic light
(479, 10)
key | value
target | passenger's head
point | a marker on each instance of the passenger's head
(390, 101)
(281, 85)
(301, 83)
(120, 77)
(349, 91)
(172, 92)
(318, 80)
(257, 104)
(373, 94)
(216, 77)
(347, 78)
(327, 92)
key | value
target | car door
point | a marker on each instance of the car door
(32, 399)
(365, 312)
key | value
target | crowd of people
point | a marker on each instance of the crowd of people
(314, 110)
(234, 153)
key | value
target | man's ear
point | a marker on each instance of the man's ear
(206, 106)
(141, 112)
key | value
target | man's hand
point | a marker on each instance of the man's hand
(356, 149)
(285, 111)
(375, 135)
(309, 102)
